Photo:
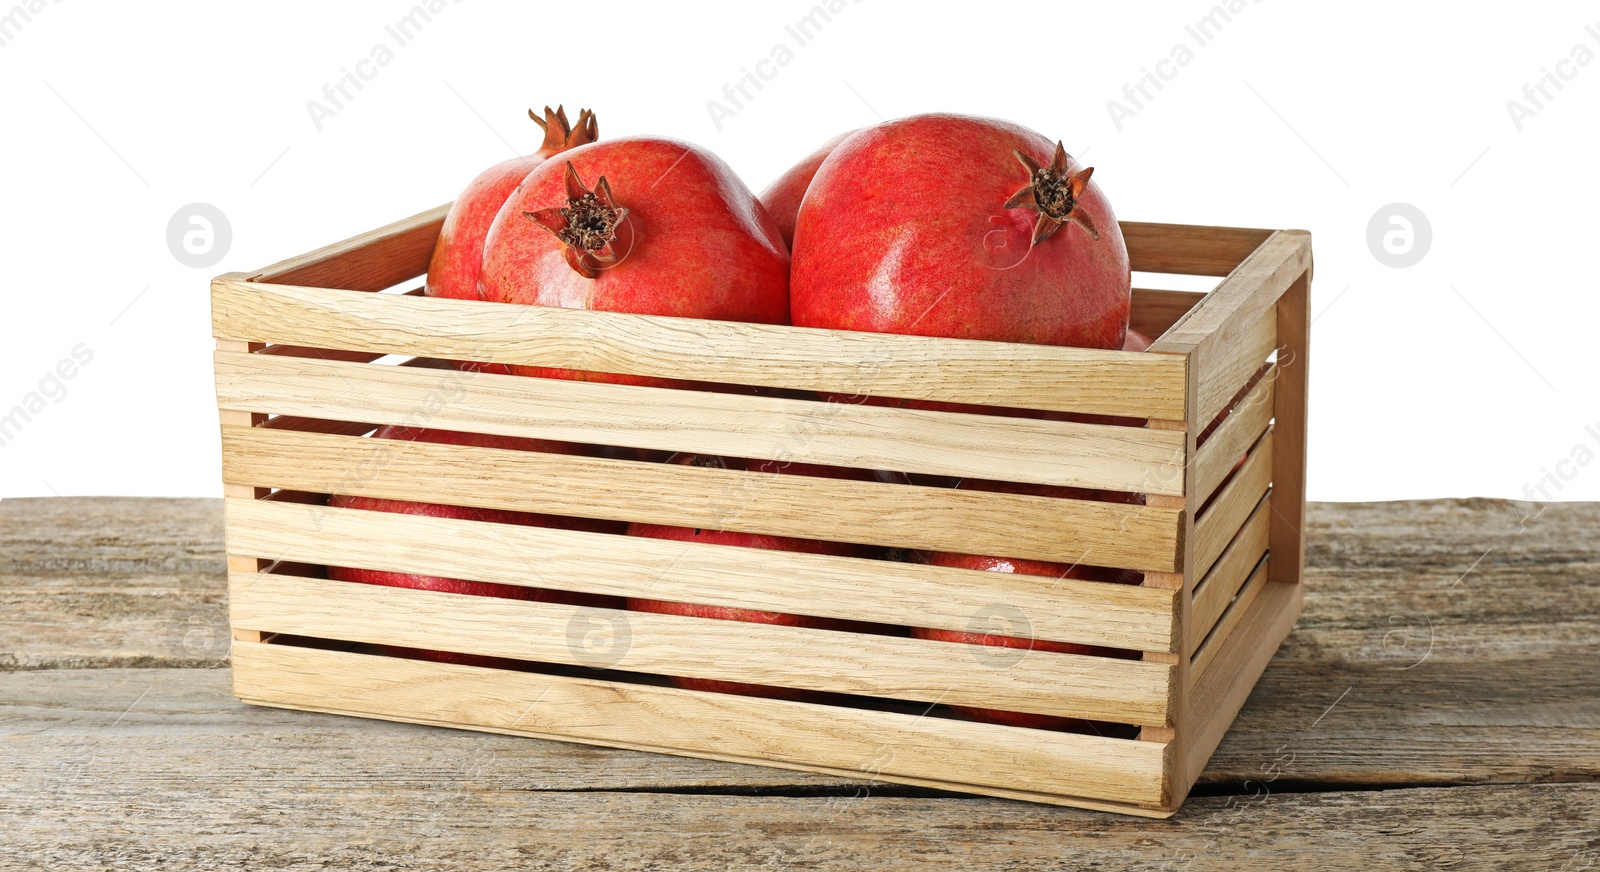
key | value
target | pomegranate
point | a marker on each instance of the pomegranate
(463, 586)
(782, 198)
(1023, 567)
(971, 228)
(750, 540)
(643, 225)
(458, 255)
(453, 271)
(1137, 341)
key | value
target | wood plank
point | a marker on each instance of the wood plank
(901, 594)
(1229, 622)
(1044, 682)
(873, 513)
(1232, 439)
(838, 434)
(1156, 310)
(1218, 524)
(1126, 384)
(694, 722)
(1235, 306)
(1229, 573)
(1189, 249)
(371, 261)
(1290, 409)
(1405, 669)
(1223, 375)
(1221, 690)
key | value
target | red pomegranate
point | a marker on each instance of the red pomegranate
(1137, 341)
(751, 540)
(458, 255)
(463, 586)
(643, 225)
(1022, 567)
(782, 198)
(972, 228)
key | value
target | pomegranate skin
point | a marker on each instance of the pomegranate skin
(903, 230)
(457, 260)
(1137, 341)
(694, 243)
(782, 198)
(497, 516)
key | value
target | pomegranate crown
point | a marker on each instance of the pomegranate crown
(559, 134)
(586, 225)
(1053, 194)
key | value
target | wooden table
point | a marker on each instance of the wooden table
(1437, 706)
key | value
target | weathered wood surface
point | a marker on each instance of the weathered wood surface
(1446, 656)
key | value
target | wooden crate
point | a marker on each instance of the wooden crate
(312, 353)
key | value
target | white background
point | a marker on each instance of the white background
(1470, 373)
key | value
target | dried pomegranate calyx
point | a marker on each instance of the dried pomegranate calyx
(559, 134)
(1053, 194)
(586, 225)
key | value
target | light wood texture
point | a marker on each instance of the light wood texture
(371, 261)
(1224, 374)
(1044, 682)
(1156, 310)
(1120, 383)
(1290, 409)
(1222, 633)
(838, 434)
(1220, 691)
(113, 757)
(1189, 249)
(1215, 458)
(900, 594)
(874, 513)
(792, 733)
(1230, 572)
(1488, 678)
(1217, 525)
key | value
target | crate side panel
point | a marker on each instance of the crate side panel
(674, 719)
(862, 664)
(1221, 521)
(901, 594)
(1189, 249)
(371, 261)
(874, 513)
(1229, 573)
(839, 434)
(1246, 421)
(1089, 381)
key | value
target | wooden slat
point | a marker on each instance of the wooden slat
(1229, 621)
(1228, 574)
(1043, 682)
(902, 594)
(1224, 374)
(372, 261)
(1189, 249)
(1216, 698)
(1156, 310)
(839, 434)
(1126, 384)
(1290, 410)
(872, 513)
(1234, 307)
(1215, 458)
(697, 723)
(1216, 527)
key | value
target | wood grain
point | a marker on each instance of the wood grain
(807, 507)
(1225, 373)
(1290, 410)
(370, 261)
(1230, 571)
(838, 434)
(1067, 685)
(1220, 522)
(1127, 384)
(1156, 310)
(697, 723)
(900, 594)
(1232, 439)
(1189, 249)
